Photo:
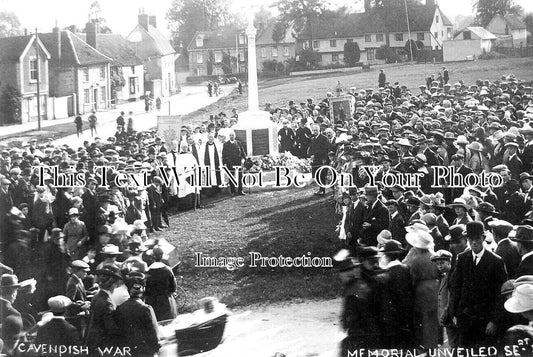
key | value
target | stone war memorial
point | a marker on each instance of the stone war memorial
(257, 133)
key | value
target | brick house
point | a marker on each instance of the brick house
(269, 50)
(429, 27)
(78, 70)
(207, 50)
(157, 54)
(124, 63)
(19, 68)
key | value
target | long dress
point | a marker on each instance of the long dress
(160, 286)
(425, 280)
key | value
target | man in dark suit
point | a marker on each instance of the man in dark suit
(58, 331)
(505, 249)
(11, 318)
(523, 235)
(286, 137)
(90, 206)
(476, 282)
(318, 151)
(233, 155)
(155, 202)
(75, 289)
(460, 168)
(376, 219)
(526, 180)
(396, 224)
(514, 163)
(354, 218)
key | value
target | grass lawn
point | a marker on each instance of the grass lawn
(290, 222)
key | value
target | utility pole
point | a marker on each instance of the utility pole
(38, 80)
(408, 30)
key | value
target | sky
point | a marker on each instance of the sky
(121, 15)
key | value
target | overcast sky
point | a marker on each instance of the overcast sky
(121, 15)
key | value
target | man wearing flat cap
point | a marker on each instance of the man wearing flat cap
(476, 283)
(58, 331)
(443, 259)
(75, 289)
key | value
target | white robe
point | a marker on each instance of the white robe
(186, 167)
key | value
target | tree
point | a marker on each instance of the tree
(352, 53)
(95, 16)
(9, 24)
(487, 9)
(528, 20)
(10, 104)
(300, 13)
(185, 17)
(117, 81)
(309, 58)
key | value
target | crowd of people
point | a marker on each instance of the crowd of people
(419, 259)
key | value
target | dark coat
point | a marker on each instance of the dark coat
(319, 149)
(155, 197)
(58, 332)
(397, 229)
(508, 251)
(476, 288)
(103, 329)
(286, 139)
(6, 310)
(354, 221)
(378, 217)
(75, 289)
(233, 153)
(525, 267)
(139, 327)
(160, 286)
(515, 165)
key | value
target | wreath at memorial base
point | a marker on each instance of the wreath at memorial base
(268, 162)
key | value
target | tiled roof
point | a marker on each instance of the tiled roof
(11, 48)
(74, 51)
(514, 22)
(481, 32)
(115, 47)
(375, 21)
(265, 37)
(225, 37)
(156, 43)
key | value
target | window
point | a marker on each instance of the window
(436, 34)
(467, 35)
(218, 56)
(368, 38)
(274, 51)
(379, 37)
(335, 57)
(332, 43)
(132, 69)
(241, 55)
(420, 36)
(263, 52)
(370, 54)
(449, 33)
(437, 19)
(306, 45)
(102, 72)
(316, 44)
(103, 94)
(199, 42)
(133, 85)
(86, 96)
(199, 58)
(242, 39)
(242, 68)
(33, 69)
(85, 74)
(398, 36)
(286, 50)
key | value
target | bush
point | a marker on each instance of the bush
(352, 53)
(491, 55)
(11, 105)
(388, 54)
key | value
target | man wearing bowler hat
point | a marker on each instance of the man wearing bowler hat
(376, 219)
(523, 235)
(476, 283)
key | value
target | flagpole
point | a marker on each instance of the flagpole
(408, 29)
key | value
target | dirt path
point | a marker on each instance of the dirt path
(306, 329)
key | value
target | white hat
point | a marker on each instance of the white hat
(120, 227)
(384, 236)
(420, 239)
(111, 249)
(522, 299)
(59, 303)
(417, 227)
(73, 211)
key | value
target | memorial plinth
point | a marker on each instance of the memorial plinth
(257, 133)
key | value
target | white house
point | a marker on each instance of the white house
(510, 30)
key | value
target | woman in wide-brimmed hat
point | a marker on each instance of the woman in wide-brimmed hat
(461, 210)
(424, 277)
(478, 161)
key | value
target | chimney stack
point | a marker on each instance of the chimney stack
(57, 43)
(143, 19)
(91, 29)
(152, 21)
(367, 6)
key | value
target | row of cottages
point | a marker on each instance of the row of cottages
(510, 30)
(20, 69)
(125, 63)
(157, 55)
(267, 49)
(218, 52)
(374, 28)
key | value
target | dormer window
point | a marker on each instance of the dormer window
(199, 42)
(437, 19)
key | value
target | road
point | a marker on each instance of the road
(190, 99)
